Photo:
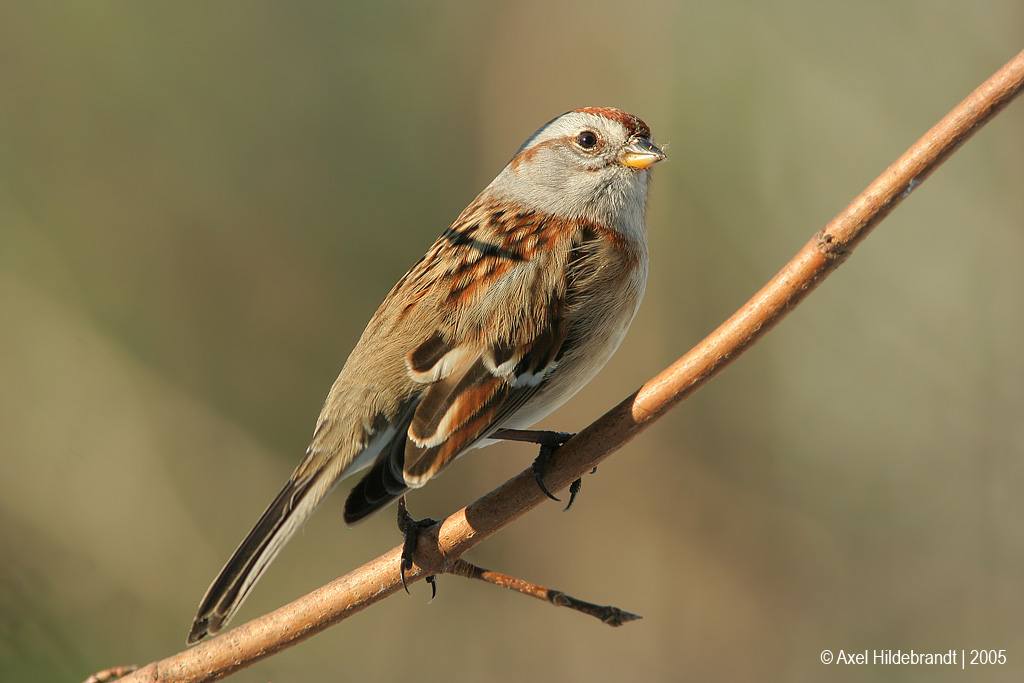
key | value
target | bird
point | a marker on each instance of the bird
(515, 307)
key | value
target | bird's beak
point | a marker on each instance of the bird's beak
(641, 153)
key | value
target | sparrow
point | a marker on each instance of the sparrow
(512, 311)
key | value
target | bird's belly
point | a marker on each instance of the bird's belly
(579, 365)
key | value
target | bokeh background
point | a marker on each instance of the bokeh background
(201, 204)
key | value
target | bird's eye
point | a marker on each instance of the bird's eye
(587, 139)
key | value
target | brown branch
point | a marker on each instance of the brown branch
(830, 246)
(608, 614)
(111, 674)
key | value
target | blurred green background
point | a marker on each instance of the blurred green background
(201, 204)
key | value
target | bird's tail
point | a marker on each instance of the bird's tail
(285, 516)
(379, 487)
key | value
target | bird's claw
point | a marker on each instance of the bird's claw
(538, 476)
(574, 488)
(432, 580)
(549, 443)
(410, 529)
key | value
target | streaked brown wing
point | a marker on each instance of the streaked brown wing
(487, 306)
(468, 405)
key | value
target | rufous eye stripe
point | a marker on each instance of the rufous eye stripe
(633, 124)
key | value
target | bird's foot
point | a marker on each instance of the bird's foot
(549, 442)
(411, 529)
(574, 488)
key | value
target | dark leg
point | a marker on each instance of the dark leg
(549, 442)
(410, 529)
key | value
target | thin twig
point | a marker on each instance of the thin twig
(111, 674)
(613, 616)
(217, 657)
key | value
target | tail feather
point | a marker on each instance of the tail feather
(281, 520)
(379, 487)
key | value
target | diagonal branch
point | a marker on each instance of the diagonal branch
(379, 578)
